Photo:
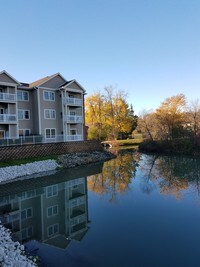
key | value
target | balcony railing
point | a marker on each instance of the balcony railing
(73, 101)
(8, 118)
(73, 118)
(77, 137)
(37, 139)
(6, 97)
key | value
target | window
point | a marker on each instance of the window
(72, 113)
(52, 211)
(50, 133)
(22, 96)
(49, 114)
(27, 213)
(49, 96)
(27, 232)
(53, 229)
(73, 131)
(23, 114)
(24, 132)
(51, 191)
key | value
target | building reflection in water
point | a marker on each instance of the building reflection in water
(53, 214)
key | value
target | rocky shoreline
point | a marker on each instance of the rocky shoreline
(12, 253)
(11, 173)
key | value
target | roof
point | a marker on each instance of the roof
(42, 80)
(5, 72)
(73, 81)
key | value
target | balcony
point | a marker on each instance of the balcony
(6, 97)
(8, 118)
(73, 119)
(77, 137)
(72, 101)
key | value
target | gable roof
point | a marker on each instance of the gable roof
(12, 78)
(73, 81)
(46, 79)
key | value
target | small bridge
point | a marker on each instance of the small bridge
(108, 144)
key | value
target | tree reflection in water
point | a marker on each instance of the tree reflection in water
(116, 176)
(172, 174)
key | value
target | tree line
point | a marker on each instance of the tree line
(174, 118)
(109, 117)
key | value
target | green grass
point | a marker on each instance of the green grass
(129, 142)
(24, 161)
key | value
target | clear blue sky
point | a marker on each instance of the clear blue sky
(148, 48)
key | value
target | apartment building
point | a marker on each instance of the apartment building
(51, 108)
(53, 214)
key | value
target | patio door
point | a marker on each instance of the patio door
(2, 134)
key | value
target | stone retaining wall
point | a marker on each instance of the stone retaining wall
(50, 149)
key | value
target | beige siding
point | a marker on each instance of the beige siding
(35, 114)
(26, 105)
(12, 131)
(56, 105)
(54, 82)
(6, 79)
(74, 85)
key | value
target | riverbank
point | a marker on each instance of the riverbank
(8, 174)
(181, 146)
(12, 253)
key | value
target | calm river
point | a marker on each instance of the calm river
(136, 210)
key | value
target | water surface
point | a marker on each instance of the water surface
(135, 210)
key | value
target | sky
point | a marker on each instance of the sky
(148, 48)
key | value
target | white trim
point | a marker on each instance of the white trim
(5, 72)
(52, 226)
(24, 110)
(53, 214)
(48, 138)
(47, 88)
(74, 81)
(26, 213)
(49, 100)
(50, 113)
(51, 187)
(8, 84)
(23, 100)
(39, 117)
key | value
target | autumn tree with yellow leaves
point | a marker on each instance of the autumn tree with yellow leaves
(108, 115)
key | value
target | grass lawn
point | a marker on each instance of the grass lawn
(24, 161)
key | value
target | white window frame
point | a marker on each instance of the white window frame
(51, 112)
(23, 132)
(23, 111)
(53, 229)
(51, 193)
(48, 98)
(22, 94)
(52, 211)
(26, 210)
(50, 133)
